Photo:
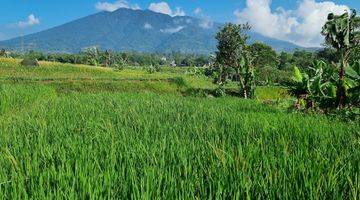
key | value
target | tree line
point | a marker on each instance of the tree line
(270, 67)
(329, 78)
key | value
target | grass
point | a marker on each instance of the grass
(122, 144)
(11, 71)
(271, 93)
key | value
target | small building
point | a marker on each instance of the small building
(173, 63)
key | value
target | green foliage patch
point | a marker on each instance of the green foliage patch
(79, 132)
(127, 145)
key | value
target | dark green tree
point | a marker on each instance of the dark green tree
(264, 55)
(107, 58)
(303, 60)
(233, 57)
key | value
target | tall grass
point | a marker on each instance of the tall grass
(149, 146)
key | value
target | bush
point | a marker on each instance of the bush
(30, 62)
(220, 92)
(152, 69)
(118, 67)
(179, 81)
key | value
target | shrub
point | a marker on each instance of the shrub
(179, 81)
(153, 68)
(30, 62)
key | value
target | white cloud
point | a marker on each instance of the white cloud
(206, 23)
(161, 7)
(198, 11)
(179, 12)
(301, 26)
(136, 7)
(31, 21)
(148, 26)
(164, 8)
(172, 30)
(111, 7)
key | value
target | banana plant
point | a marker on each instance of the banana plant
(342, 33)
(352, 80)
(314, 86)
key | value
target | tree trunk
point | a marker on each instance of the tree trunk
(341, 89)
(245, 94)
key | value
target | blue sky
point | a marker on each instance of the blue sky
(28, 16)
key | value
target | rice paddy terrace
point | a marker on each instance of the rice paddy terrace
(80, 132)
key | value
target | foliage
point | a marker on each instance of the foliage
(92, 55)
(29, 62)
(233, 58)
(106, 58)
(264, 55)
(153, 68)
(352, 79)
(354, 55)
(328, 55)
(303, 60)
(271, 76)
(4, 53)
(117, 63)
(320, 85)
(195, 71)
(343, 34)
(285, 61)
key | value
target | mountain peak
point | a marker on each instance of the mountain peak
(131, 30)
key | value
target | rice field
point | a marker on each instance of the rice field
(73, 138)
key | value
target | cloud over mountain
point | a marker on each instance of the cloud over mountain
(111, 7)
(31, 21)
(301, 26)
(164, 8)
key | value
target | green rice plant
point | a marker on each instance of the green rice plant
(149, 146)
(79, 132)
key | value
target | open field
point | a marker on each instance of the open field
(76, 132)
(60, 74)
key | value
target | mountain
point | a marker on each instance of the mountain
(133, 30)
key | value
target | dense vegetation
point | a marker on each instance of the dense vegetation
(270, 67)
(85, 132)
(336, 85)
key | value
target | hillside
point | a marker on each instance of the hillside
(133, 30)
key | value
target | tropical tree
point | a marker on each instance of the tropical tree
(285, 61)
(342, 33)
(107, 58)
(315, 86)
(352, 78)
(3, 53)
(303, 59)
(265, 55)
(233, 58)
(92, 55)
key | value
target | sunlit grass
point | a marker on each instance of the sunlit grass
(81, 132)
(11, 70)
(111, 145)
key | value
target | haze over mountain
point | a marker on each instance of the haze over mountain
(133, 30)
